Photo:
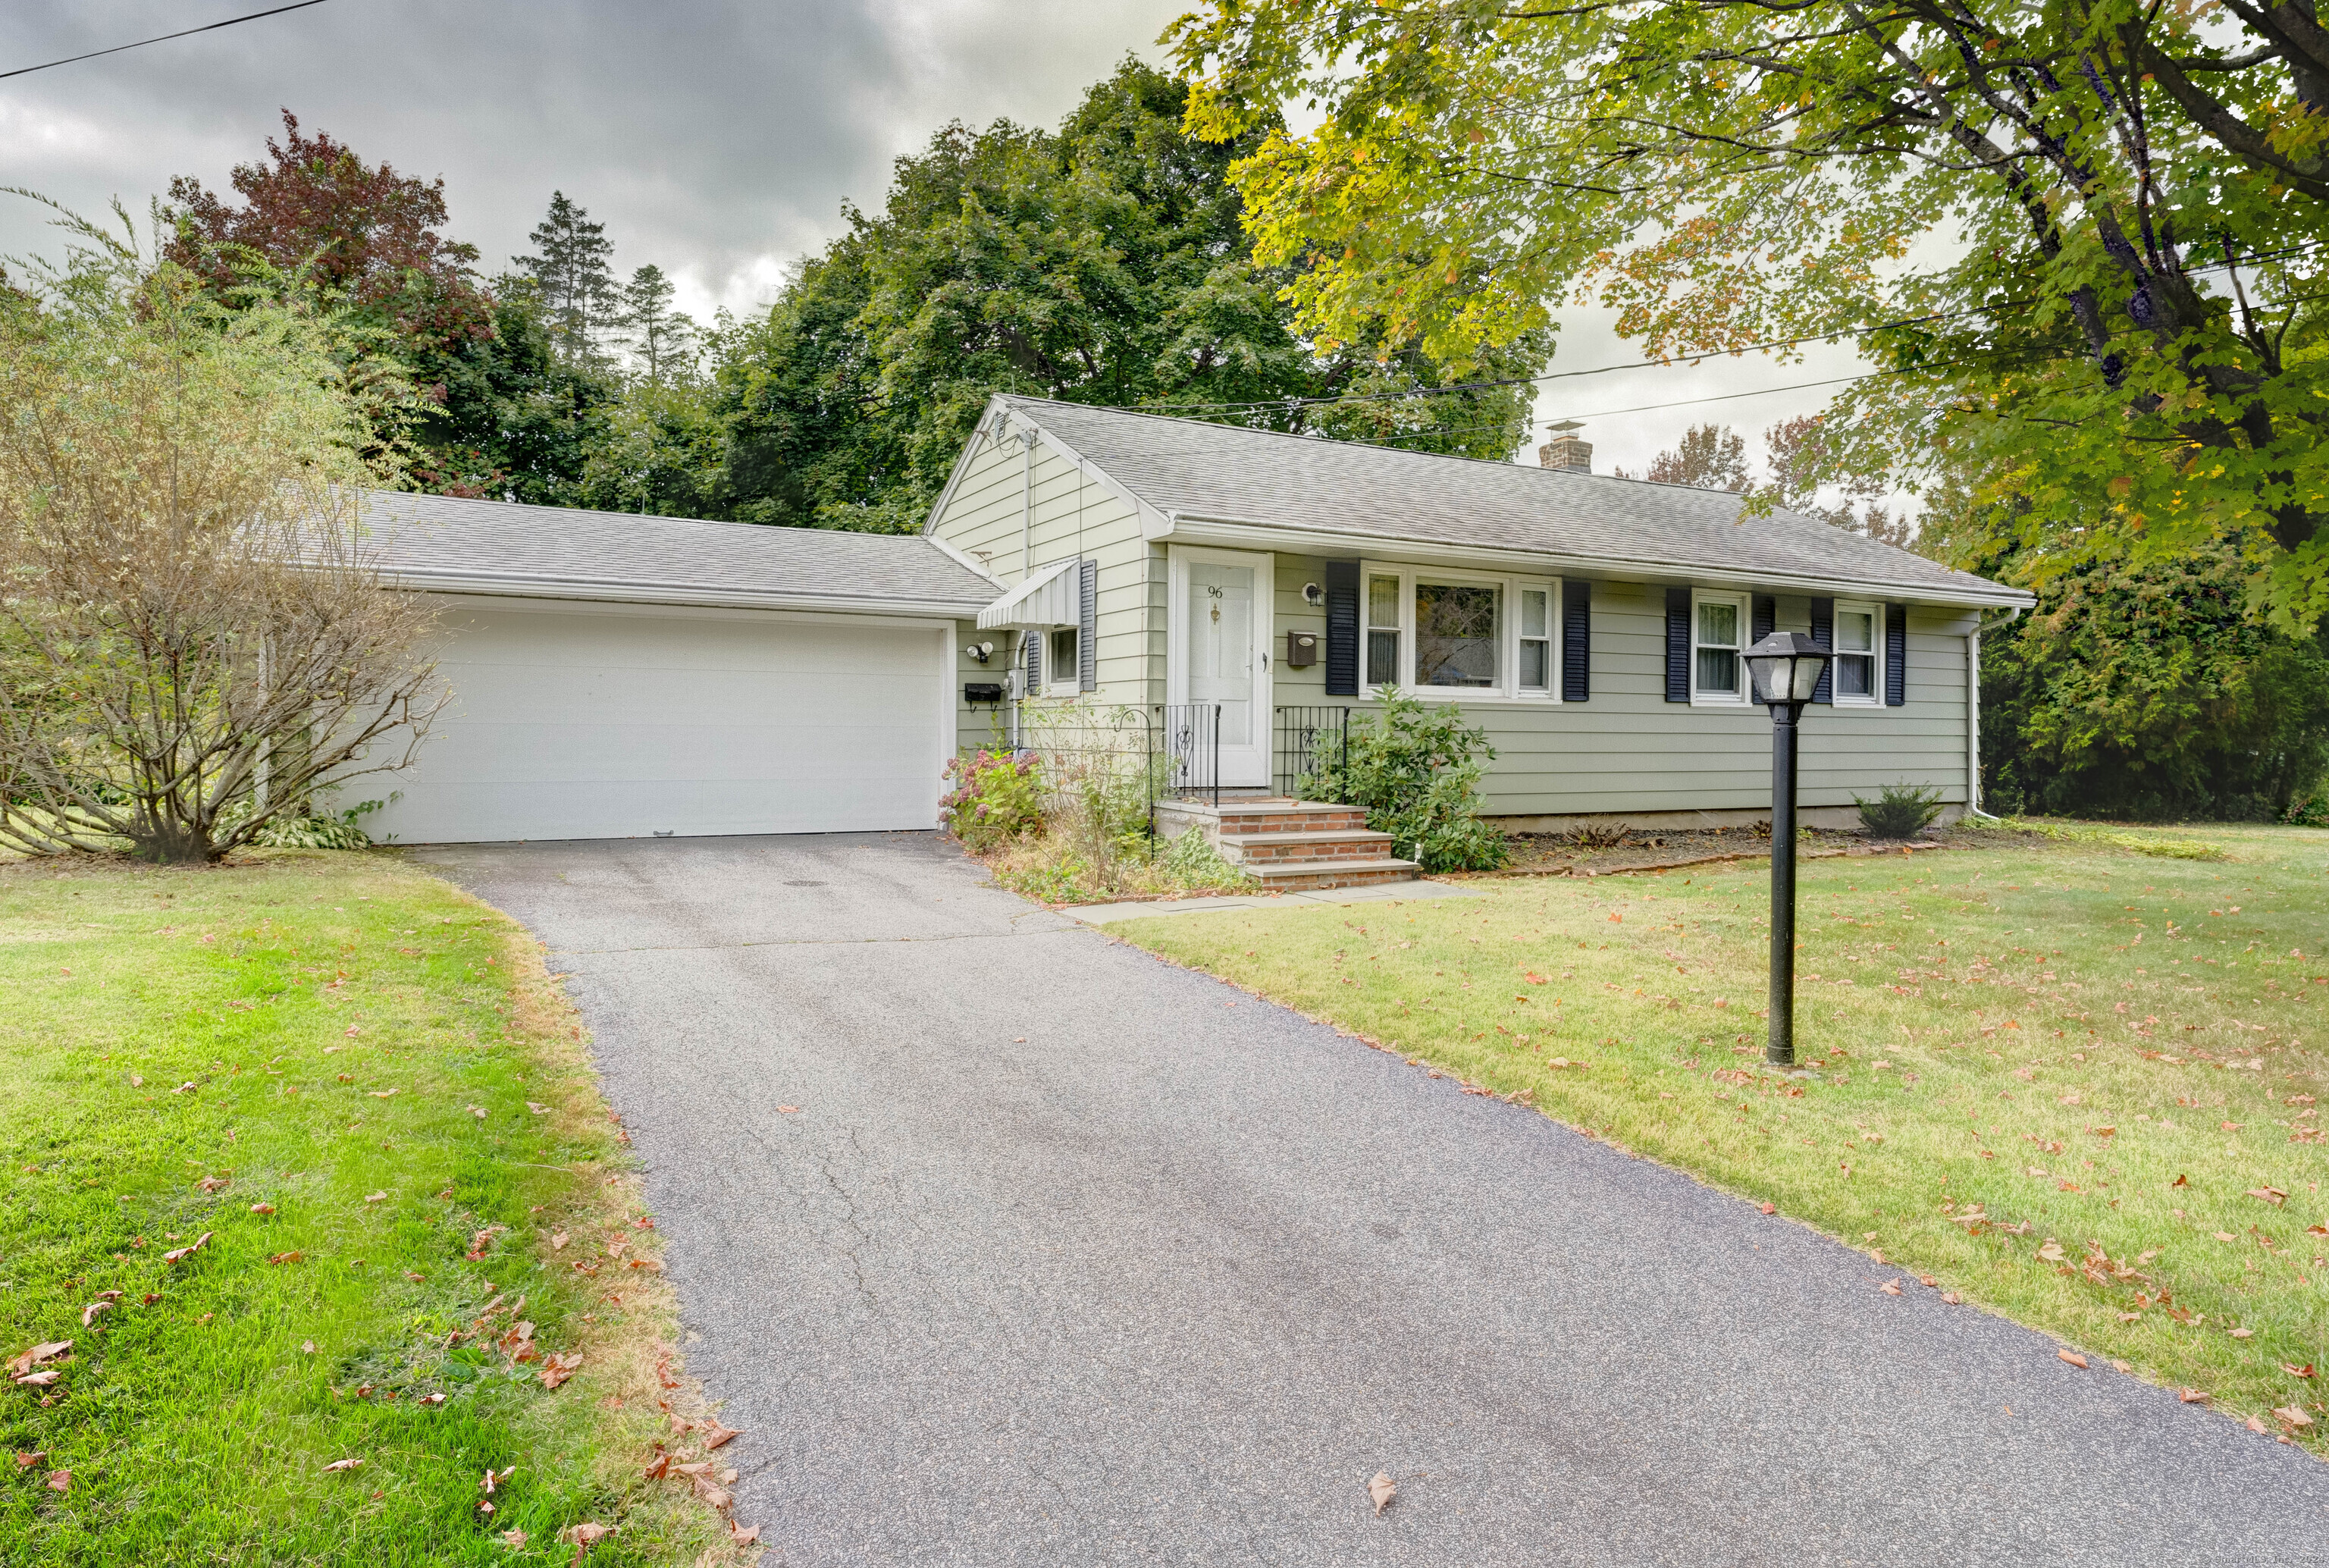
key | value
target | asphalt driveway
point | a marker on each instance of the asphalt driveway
(1069, 1256)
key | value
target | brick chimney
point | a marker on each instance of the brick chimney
(1564, 450)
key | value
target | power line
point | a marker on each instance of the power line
(164, 38)
(1687, 359)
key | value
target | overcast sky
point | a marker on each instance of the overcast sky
(717, 139)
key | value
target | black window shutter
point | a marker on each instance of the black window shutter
(1677, 645)
(1824, 634)
(1087, 627)
(1576, 642)
(1896, 655)
(1034, 640)
(1765, 618)
(1341, 629)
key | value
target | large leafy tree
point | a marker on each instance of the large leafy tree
(497, 410)
(1106, 263)
(2081, 239)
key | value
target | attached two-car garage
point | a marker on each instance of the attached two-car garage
(582, 708)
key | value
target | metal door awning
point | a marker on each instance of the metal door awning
(1048, 598)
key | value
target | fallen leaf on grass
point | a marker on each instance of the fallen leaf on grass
(2272, 1195)
(747, 1536)
(1951, 1299)
(262, 1208)
(513, 1537)
(432, 1399)
(89, 1312)
(2291, 1417)
(375, 1197)
(25, 1461)
(2243, 1333)
(60, 1481)
(652, 1265)
(716, 1436)
(2304, 1371)
(713, 1494)
(41, 1354)
(380, 1094)
(588, 1533)
(286, 1258)
(537, 1110)
(343, 1465)
(213, 1184)
(557, 1369)
(2194, 1396)
(2051, 1252)
(2072, 1357)
(558, 1241)
(1768, 1208)
(1383, 1489)
(659, 1467)
(39, 1379)
(479, 1112)
(2253, 1425)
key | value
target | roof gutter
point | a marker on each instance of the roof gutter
(513, 585)
(1244, 532)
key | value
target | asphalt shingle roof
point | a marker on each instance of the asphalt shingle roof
(1189, 468)
(426, 538)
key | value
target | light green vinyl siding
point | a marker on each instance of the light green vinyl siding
(1628, 750)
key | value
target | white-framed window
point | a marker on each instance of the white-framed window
(1461, 635)
(1063, 662)
(1718, 637)
(1854, 678)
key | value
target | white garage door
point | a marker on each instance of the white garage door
(614, 722)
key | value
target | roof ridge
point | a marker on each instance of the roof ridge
(433, 496)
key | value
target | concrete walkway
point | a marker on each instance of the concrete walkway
(1072, 1257)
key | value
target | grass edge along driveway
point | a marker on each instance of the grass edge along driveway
(415, 1312)
(2064, 1081)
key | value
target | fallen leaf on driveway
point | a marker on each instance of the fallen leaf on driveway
(2194, 1396)
(746, 1536)
(2253, 1425)
(1891, 1286)
(343, 1465)
(717, 1436)
(1383, 1489)
(788, 1110)
(1951, 1299)
(1769, 1208)
(2072, 1357)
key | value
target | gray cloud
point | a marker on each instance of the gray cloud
(718, 139)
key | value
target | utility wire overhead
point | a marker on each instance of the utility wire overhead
(161, 38)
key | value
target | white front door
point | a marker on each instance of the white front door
(1220, 652)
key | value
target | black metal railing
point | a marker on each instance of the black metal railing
(1309, 739)
(1190, 740)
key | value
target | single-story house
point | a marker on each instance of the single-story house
(1591, 625)
(617, 676)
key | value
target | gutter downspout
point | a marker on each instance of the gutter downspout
(1973, 714)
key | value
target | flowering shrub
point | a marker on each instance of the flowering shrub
(993, 796)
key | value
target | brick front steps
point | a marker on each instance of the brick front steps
(1291, 845)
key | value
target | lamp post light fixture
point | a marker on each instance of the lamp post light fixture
(1786, 668)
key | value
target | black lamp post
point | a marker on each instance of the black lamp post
(1786, 667)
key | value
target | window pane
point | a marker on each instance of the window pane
(1536, 666)
(1455, 635)
(1717, 670)
(1064, 668)
(1533, 612)
(1855, 628)
(1383, 658)
(1382, 601)
(1854, 676)
(1718, 624)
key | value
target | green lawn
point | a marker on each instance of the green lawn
(2055, 1069)
(348, 1087)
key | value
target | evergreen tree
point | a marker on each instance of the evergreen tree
(577, 287)
(660, 338)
